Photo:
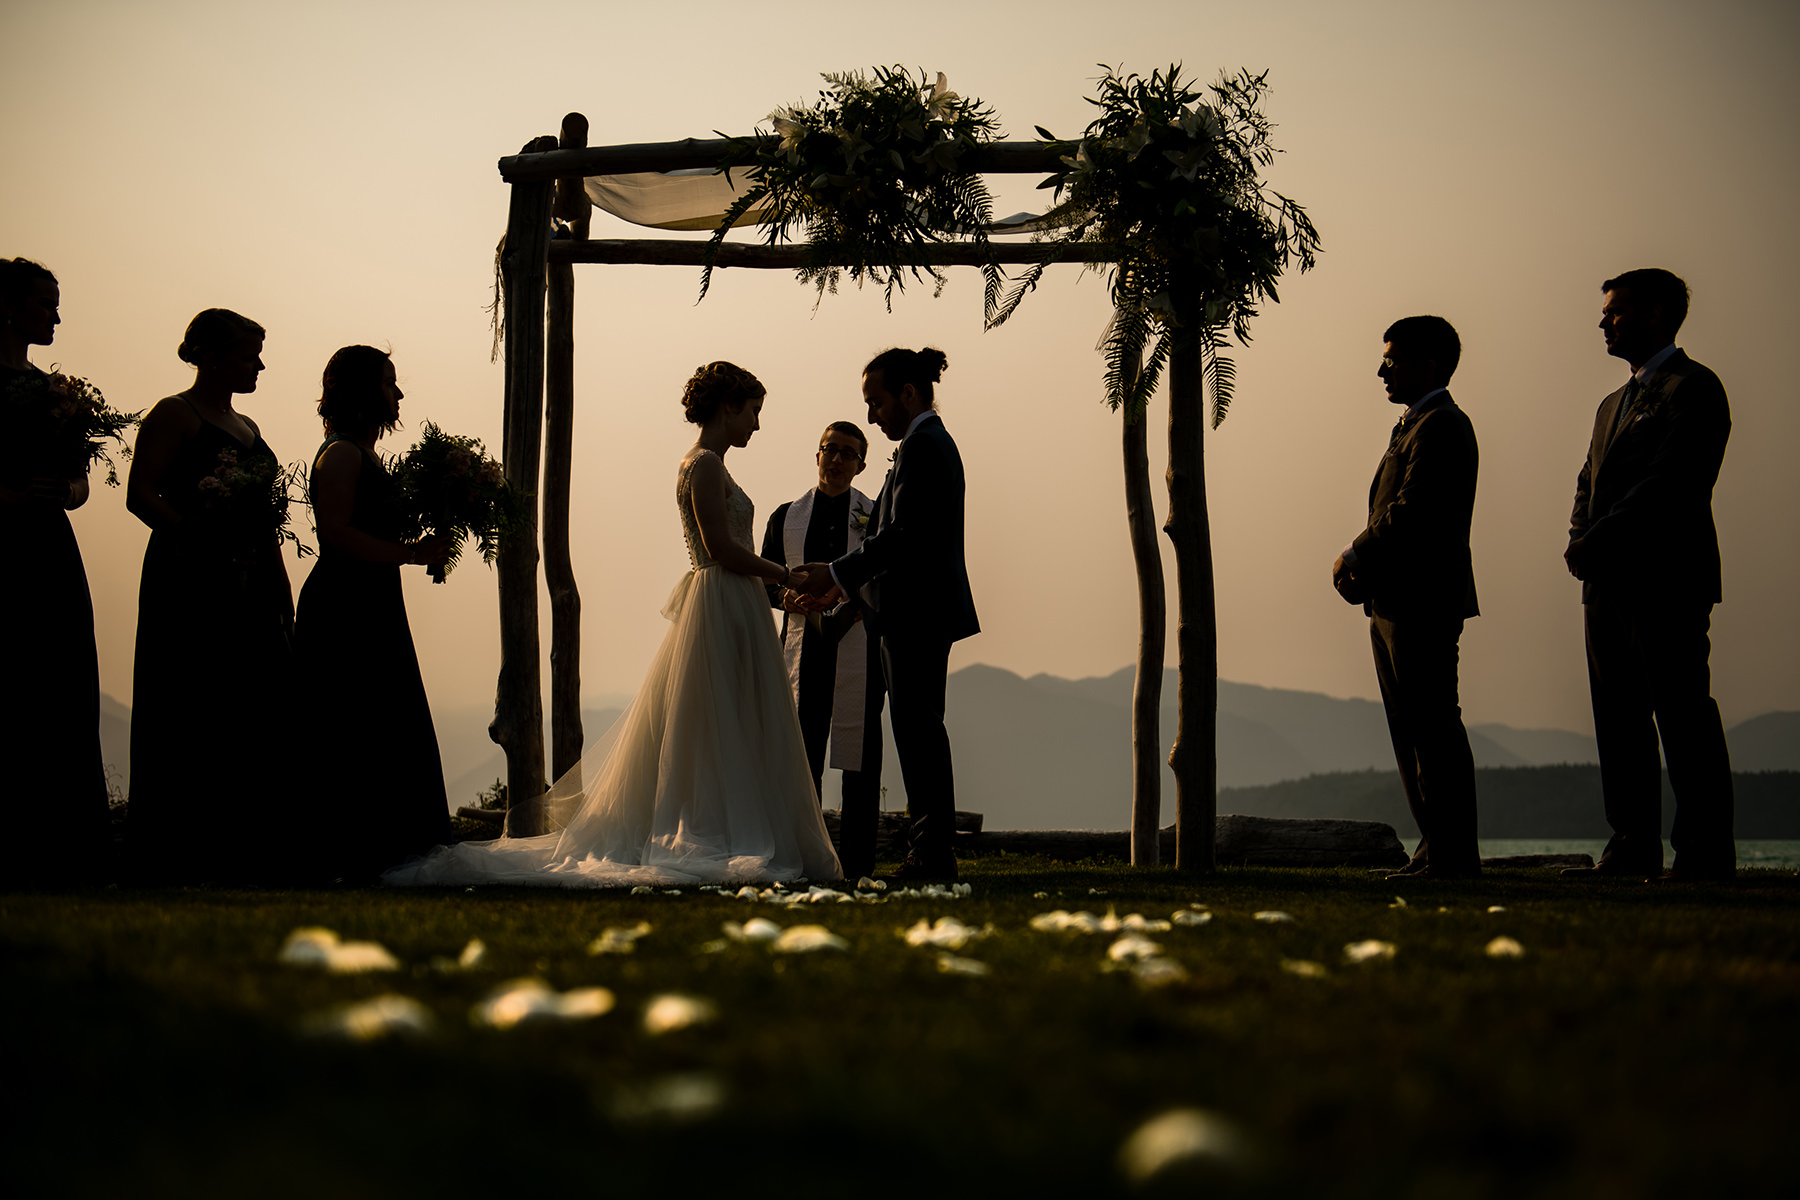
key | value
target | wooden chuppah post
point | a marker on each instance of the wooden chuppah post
(518, 724)
(1153, 619)
(572, 208)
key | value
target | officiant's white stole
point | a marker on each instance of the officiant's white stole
(849, 702)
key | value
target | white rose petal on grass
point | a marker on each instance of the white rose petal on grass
(1304, 968)
(1062, 920)
(672, 1011)
(525, 999)
(677, 1098)
(619, 939)
(1505, 947)
(316, 947)
(384, 1016)
(1496, 908)
(805, 939)
(747, 893)
(643, 890)
(756, 929)
(1272, 916)
(1369, 950)
(950, 964)
(472, 954)
(946, 932)
(1189, 1138)
(1158, 972)
(1399, 902)
(1132, 948)
(1188, 916)
(868, 884)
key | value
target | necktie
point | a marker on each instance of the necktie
(1394, 437)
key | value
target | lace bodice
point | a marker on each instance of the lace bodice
(740, 512)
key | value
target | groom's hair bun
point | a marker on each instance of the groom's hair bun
(718, 384)
(900, 366)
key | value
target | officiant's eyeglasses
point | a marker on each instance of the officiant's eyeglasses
(830, 451)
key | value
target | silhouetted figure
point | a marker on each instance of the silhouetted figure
(49, 671)
(1642, 542)
(913, 581)
(375, 746)
(1411, 571)
(211, 756)
(832, 662)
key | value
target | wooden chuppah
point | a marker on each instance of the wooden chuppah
(547, 179)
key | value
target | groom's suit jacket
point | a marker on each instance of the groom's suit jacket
(1643, 499)
(1413, 558)
(910, 572)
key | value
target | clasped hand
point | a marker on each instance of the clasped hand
(817, 588)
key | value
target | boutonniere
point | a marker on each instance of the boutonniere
(860, 516)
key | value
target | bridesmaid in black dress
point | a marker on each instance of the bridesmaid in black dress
(210, 752)
(373, 727)
(49, 671)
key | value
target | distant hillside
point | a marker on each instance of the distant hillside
(1770, 742)
(1514, 802)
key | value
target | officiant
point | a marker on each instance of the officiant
(831, 663)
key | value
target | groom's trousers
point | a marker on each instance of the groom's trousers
(917, 670)
(1415, 664)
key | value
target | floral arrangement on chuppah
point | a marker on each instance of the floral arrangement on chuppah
(449, 487)
(869, 175)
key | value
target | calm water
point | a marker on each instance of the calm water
(1785, 855)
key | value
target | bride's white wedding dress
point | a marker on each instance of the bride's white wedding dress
(703, 780)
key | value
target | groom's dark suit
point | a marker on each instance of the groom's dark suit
(1412, 563)
(913, 581)
(1643, 509)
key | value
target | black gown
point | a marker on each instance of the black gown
(376, 744)
(55, 782)
(212, 694)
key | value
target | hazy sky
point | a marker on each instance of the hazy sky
(328, 169)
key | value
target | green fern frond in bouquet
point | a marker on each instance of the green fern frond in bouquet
(59, 424)
(449, 487)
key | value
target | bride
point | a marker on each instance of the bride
(705, 777)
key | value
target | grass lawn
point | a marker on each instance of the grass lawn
(1644, 1045)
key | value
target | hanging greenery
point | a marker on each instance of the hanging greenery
(1167, 177)
(869, 176)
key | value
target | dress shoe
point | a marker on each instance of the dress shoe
(928, 868)
(1612, 868)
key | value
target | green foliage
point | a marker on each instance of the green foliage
(492, 798)
(1169, 178)
(249, 497)
(870, 175)
(59, 425)
(450, 487)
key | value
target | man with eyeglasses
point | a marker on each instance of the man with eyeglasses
(1411, 570)
(832, 669)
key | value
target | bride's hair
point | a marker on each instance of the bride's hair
(900, 366)
(350, 398)
(215, 330)
(718, 384)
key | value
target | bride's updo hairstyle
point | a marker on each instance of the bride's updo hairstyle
(718, 385)
(900, 366)
(214, 330)
(350, 397)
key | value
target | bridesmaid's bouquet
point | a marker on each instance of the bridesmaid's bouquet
(450, 487)
(57, 424)
(249, 495)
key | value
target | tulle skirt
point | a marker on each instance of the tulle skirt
(703, 780)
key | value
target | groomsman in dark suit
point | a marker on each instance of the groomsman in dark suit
(1411, 571)
(913, 581)
(1642, 542)
(831, 660)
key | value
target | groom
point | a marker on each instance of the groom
(914, 585)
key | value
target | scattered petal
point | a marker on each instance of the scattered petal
(618, 939)
(1183, 1137)
(756, 929)
(643, 890)
(950, 964)
(671, 1011)
(1040, 895)
(1272, 916)
(1136, 922)
(671, 891)
(1079, 922)
(1368, 950)
(1158, 972)
(523, 999)
(315, 947)
(805, 939)
(747, 893)
(1133, 948)
(946, 932)
(686, 1097)
(1496, 908)
(472, 954)
(867, 884)
(1190, 917)
(384, 1016)
(1505, 947)
(1095, 892)
(1304, 968)
(1399, 902)
(716, 946)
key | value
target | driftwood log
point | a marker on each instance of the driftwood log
(1239, 840)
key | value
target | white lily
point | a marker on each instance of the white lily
(940, 101)
(792, 134)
